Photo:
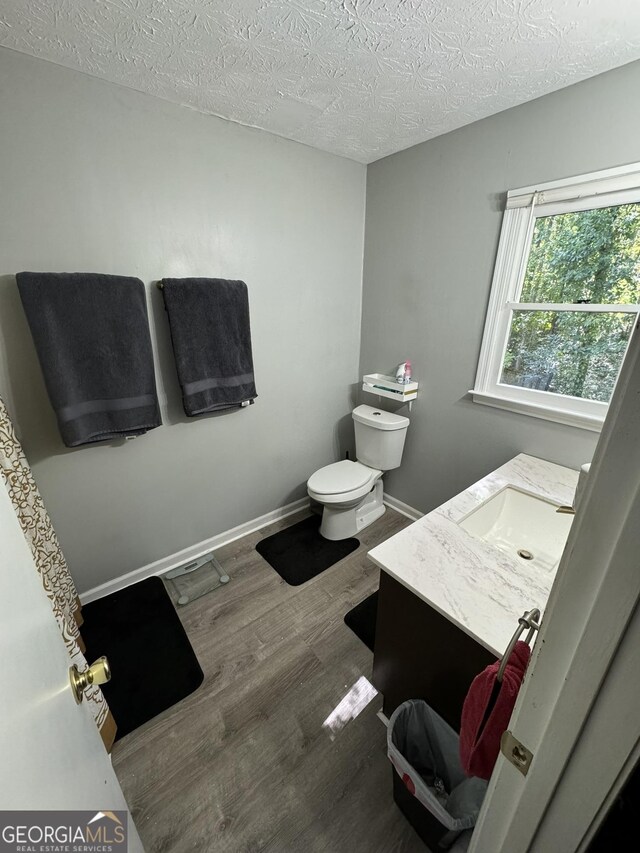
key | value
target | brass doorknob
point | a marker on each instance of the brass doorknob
(98, 673)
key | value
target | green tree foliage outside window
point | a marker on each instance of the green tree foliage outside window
(586, 257)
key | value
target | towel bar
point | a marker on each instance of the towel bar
(529, 620)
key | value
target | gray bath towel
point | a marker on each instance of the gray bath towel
(92, 338)
(209, 321)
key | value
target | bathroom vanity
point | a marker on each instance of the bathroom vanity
(454, 583)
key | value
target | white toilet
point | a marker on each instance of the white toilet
(350, 493)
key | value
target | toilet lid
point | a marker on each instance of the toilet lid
(340, 477)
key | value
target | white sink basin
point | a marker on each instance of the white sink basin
(523, 525)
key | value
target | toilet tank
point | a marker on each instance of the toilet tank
(379, 437)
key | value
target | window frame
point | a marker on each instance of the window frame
(585, 192)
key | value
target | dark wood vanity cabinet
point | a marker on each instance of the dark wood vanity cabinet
(421, 655)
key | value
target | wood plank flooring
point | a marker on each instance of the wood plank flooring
(244, 764)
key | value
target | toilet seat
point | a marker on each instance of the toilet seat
(341, 481)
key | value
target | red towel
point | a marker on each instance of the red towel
(487, 710)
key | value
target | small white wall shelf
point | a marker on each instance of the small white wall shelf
(386, 386)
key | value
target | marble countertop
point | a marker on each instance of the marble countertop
(476, 586)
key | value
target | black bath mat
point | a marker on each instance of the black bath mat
(299, 552)
(362, 620)
(152, 663)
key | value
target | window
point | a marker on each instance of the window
(565, 298)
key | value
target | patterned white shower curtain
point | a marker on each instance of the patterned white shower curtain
(50, 562)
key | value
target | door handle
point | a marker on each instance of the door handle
(98, 673)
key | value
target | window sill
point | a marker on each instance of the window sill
(534, 410)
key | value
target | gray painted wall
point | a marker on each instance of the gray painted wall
(432, 226)
(99, 178)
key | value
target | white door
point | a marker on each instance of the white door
(51, 754)
(577, 709)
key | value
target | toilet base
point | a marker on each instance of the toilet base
(339, 522)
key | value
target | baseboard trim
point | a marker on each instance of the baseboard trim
(402, 508)
(172, 561)
(383, 717)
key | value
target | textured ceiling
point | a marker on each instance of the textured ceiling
(361, 78)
